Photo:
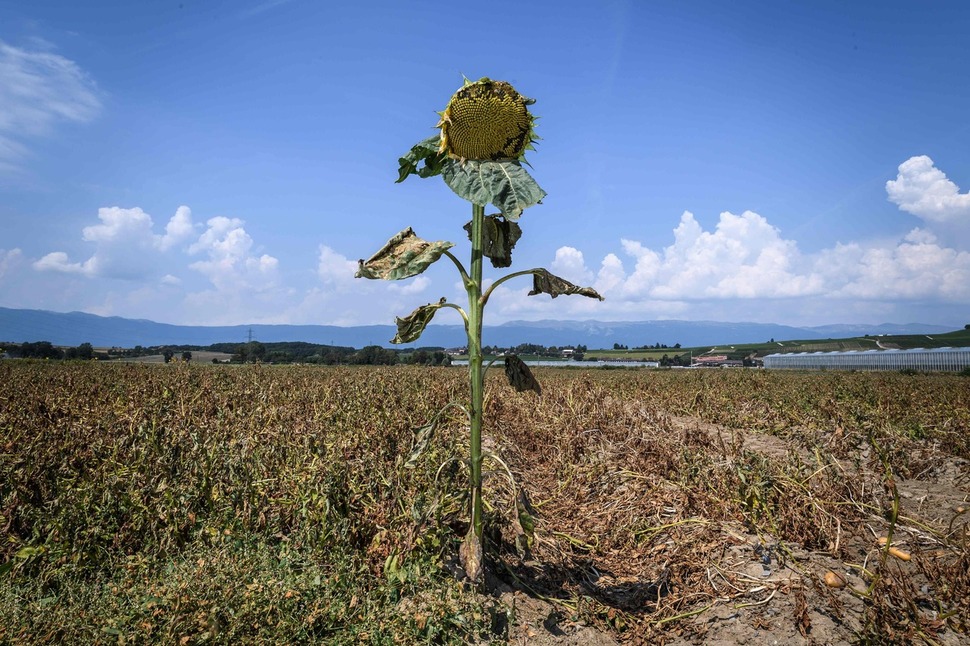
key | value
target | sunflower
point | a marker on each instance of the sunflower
(486, 120)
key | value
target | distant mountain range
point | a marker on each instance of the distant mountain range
(75, 328)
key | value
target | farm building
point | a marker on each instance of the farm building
(927, 360)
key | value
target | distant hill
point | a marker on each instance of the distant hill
(74, 328)
(841, 331)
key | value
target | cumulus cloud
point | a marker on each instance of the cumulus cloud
(917, 267)
(415, 285)
(744, 263)
(38, 89)
(334, 269)
(231, 265)
(922, 189)
(570, 264)
(127, 225)
(743, 257)
(58, 261)
(9, 260)
(125, 245)
(179, 229)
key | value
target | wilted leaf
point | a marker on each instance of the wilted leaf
(503, 183)
(425, 151)
(410, 327)
(519, 375)
(524, 525)
(544, 282)
(405, 255)
(27, 552)
(498, 237)
(470, 555)
(422, 437)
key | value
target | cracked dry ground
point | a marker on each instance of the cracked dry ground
(661, 528)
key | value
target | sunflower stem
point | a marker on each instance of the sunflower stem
(501, 280)
(475, 310)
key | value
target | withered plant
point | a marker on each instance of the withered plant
(486, 129)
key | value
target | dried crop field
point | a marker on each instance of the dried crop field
(219, 504)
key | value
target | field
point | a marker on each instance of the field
(957, 338)
(201, 504)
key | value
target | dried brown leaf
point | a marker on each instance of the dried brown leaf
(544, 282)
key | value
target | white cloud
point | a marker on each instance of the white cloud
(741, 268)
(10, 151)
(744, 257)
(410, 287)
(924, 190)
(915, 268)
(746, 270)
(569, 264)
(58, 261)
(125, 245)
(117, 224)
(231, 265)
(611, 274)
(179, 229)
(37, 90)
(9, 260)
(334, 269)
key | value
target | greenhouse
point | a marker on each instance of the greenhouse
(926, 360)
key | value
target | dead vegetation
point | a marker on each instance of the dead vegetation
(247, 504)
(693, 508)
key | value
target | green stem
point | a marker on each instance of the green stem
(461, 268)
(475, 308)
(460, 311)
(501, 280)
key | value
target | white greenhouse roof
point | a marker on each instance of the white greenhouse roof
(857, 353)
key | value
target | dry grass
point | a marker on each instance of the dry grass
(205, 504)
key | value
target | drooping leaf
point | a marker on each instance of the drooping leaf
(519, 375)
(412, 326)
(524, 525)
(422, 437)
(470, 555)
(504, 183)
(405, 255)
(498, 238)
(424, 151)
(544, 282)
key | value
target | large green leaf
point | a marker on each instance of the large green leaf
(424, 151)
(544, 282)
(412, 326)
(519, 375)
(506, 184)
(403, 256)
(498, 238)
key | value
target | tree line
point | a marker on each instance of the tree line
(535, 349)
(251, 352)
(655, 346)
(47, 350)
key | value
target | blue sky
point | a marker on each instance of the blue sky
(206, 162)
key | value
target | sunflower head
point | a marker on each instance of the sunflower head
(486, 120)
